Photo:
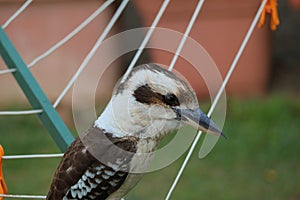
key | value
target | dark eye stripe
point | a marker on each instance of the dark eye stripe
(145, 94)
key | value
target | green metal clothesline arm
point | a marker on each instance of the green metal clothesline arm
(35, 95)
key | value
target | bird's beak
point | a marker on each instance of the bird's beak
(200, 121)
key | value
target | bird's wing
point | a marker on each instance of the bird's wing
(81, 176)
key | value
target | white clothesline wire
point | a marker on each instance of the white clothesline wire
(92, 52)
(146, 39)
(53, 155)
(186, 34)
(66, 38)
(6, 71)
(16, 14)
(23, 196)
(21, 112)
(228, 75)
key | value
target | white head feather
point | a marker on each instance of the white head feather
(126, 116)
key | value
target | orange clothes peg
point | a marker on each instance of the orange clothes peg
(271, 9)
(3, 188)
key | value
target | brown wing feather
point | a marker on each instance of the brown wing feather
(77, 161)
(62, 180)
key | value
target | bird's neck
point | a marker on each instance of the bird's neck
(109, 122)
(117, 119)
(121, 124)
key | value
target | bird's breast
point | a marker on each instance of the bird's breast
(141, 159)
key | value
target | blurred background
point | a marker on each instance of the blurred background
(259, 160)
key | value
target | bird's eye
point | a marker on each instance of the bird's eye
(171, 100)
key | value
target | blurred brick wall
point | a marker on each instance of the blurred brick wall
(220, 28)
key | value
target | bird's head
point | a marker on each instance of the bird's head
(151, 102)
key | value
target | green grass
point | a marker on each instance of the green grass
(259, 160)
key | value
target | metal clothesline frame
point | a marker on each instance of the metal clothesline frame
(35, 95)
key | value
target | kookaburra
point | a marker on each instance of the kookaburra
(107, 160)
